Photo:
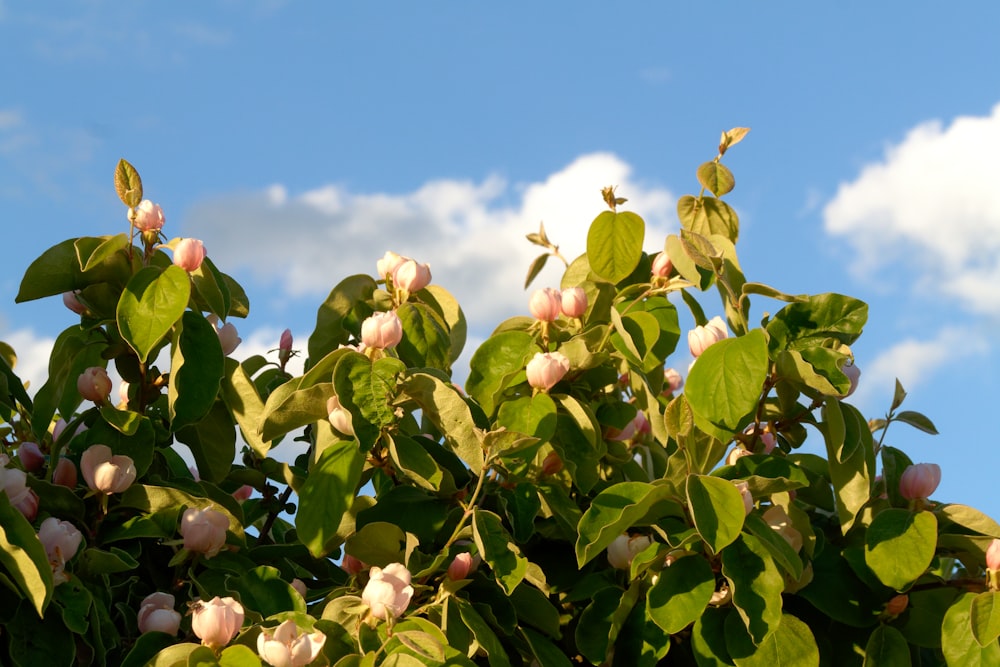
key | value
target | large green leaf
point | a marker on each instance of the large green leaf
(716, 178)
(445, 407)
(59, 270)
(212, 442)
(958, 643)
(614, 244)
(707, 216)
(414, 463)
(899, 546)
(265, 591)
(530, 415)
(426, 342)
(444, 304)
(366, 389)
(681, 593)
(618, 508)
(791, 644)
(809, 322)
(495, 363)
(725, 382)
(717, 509)
(985, 617)
(196, 370)
(23, 557)
(887, 648)
(756, 585)
(340, 315)
(243, 400)
(498, 549)
(327, 494)
(152, 302)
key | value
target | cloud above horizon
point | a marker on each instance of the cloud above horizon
(471, 233)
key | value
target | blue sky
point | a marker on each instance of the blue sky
(302, 140)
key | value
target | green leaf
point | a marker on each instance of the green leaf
(23, 557)
(985, 617)
(136, 446)
(970, 518)
(725, 382)
(681, 593)
(716, 508)
(852, 478)
(243, 400)
(899, 546)
(716, 178)
(340, 314)
(536, 267)
(426, 342)
(210, 285)
(958, 643)
(792, 644)
(238, 655)
(887, 648)
(152, 302)
(484, 635)
(708, 638)
(212, 441)
(196, 370)
(495, 363)
(707, 216)
(618, 508)
(32, 642)
(366, 389)
(546, 653)
(614, 244)
(445, 407)
(779, 548)
(756, 585)
(90, 258)
(917, 421)
(327, 494)
(414, 462)
(601, 621)
(58, 270)
(530, 415)
(146, 647)
(808, 323)
(125, 422)
(128, 185)
(498, 549)
(265, 591)
(446, 306)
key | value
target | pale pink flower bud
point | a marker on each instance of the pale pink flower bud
(285, 646)
(573, 301)
(204, 530)
(299, 586)
(624, 548)
(285, 343)
(123, 392)
(149, 216)
(766, 437)
(780, 522)
(31, 456)
(388, 592)
(382, 330)
(229, 337)
(15, 484)
(551, 464)
(243, 493)
(388, 264)
(94, 385)
(638, 426)
(60, 425)
(993, 555)
(460, 566)
(61, 540)
(189, 254)
(340, 417)
(545, 304)
(721, 596)
(412, 276)
(744, 490)
(157, 614)
(701, 337)
(672, 380)
(65, 473)
(217, 621)
(735, 454)
(662, 266)
(105, 472)
(853, 374)
(545, 370)
(71, 302)
(897, 605)
(351, 565)
(919, 480)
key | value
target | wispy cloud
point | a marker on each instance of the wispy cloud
(472, 233)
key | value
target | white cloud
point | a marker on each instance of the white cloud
(932, 205)
(471, 233)
(914, 362)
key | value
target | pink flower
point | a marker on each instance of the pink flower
(573, 301)
(94, 385)
(285, 347)
(411, 276)
(351, 565)
(61, 540)
(638, 426)
(65, 473)
(780, 522)
(204, 530)
(672, 380)
(624, 548)
(744, 490)
(545, 304)
(157, 614)
(229, 338)
(299, 586)
(388, 264)
(243, 493)
(662, 266)
(285, 646)
(340, 417)
(15, 484)
(73, 303)
(919, 480)
(701, 337)
(382, 330)
(545, 370)
(766, 437)
(149, 216)
(993, 555)
(189, 254)
(853, 374)
(105, 472)
(31, 456)
(460, 566)
(388, 591)
(217, 621)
